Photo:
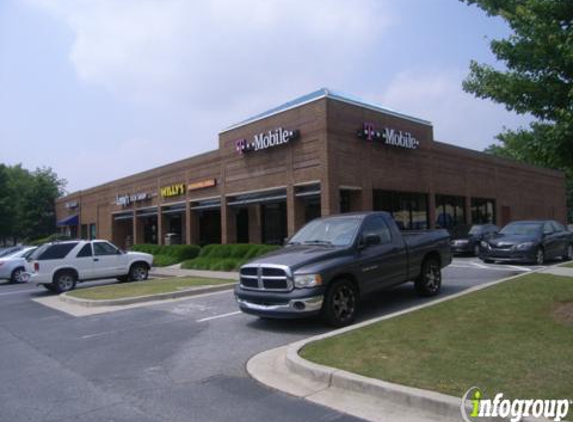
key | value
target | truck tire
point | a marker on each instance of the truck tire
(64, 281)
(429, 282)
(17, 275)
(138, 272)
(539, 256)
(340, 303)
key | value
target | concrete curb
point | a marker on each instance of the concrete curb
(193, 291)
(435, 405)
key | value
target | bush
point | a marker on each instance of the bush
(164, 255)
(226, 257)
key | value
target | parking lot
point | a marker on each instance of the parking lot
(180, 360)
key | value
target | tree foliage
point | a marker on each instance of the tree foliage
(27, 202)
(537, 80)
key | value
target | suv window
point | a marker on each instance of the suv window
(378, 227)
(104, 248)
(85, 251)
(56, 251)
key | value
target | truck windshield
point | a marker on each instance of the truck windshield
(339, 231)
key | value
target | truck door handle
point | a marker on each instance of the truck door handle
(96, 259)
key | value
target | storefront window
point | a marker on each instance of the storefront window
(274, 225)
(93, 233)
(409, 210)
(209, 226)
(450, 211)
(483, 211)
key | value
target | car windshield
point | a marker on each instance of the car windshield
(23, 253)
(340, 231)
(527, 229)
(476, 230)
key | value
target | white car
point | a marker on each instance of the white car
(13, 266)
(59, 266)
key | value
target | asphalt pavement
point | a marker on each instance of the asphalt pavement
(181, 360)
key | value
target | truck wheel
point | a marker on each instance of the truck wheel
(64, 281)
(429, 281)
(340, 303)
(17, 275)
(138, 272)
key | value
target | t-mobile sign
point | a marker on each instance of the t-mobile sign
(263, 140)
(393, 137)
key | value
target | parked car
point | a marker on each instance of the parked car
(529, 242)
(10, 250)
(332, 262)
(468, 239)
(59, 266)
(13, 266)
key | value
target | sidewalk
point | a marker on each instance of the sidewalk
(177, 271)
(559, 270)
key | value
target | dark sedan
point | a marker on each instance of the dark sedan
(529, 242)
(466, 241)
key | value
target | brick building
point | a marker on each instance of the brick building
(320, 154)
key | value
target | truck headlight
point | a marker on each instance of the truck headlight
(307, 280)
(525, 245)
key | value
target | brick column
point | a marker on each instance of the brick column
(160, 225)
(255, 232)
(432, 208)
(292, 210)
(187, 222)
(136, 238)
(228, 223)
(468, 203)
(329, 199)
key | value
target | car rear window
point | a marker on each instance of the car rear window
(57, 251)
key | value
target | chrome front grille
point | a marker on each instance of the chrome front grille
(265, 278)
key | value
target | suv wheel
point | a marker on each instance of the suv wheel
(64, 281)
(429, 282)
(340, 303)
(138, 272)
(17, 275)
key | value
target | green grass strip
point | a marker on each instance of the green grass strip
(515, 338)
(144, 288)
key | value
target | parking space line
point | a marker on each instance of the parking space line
(219, 316)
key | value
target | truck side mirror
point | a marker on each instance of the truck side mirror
(372, 239)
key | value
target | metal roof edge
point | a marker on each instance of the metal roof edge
(325, 93)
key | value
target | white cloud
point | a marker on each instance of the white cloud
(458, 117)
(214, 52)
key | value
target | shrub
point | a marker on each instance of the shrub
(226, 257)
(164, 255)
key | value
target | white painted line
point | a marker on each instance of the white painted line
(477, 264)
(520, 268)
(16, 292)
(219, 316)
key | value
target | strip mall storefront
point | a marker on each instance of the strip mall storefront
(318, 155)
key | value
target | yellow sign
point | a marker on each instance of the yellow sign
(202, 184)
(173, 190)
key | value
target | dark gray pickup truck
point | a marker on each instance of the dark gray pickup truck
(331, 262)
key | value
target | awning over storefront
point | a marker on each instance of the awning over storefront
(258, 198)
(123, 216)
(72, 220)
(206, 204)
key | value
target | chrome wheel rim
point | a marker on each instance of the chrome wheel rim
(540, 257)
(569, 253)
(139, 273)
(19, 276)
(65, 282)
(433, 278)
(343, 303)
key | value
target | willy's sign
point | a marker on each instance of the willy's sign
(393, 137)
(263, 140)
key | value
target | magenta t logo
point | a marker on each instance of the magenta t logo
(369, 131)
(240, 145)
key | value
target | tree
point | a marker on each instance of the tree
(27, 202)
(538, 79)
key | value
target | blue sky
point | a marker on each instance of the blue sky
(100, 89)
